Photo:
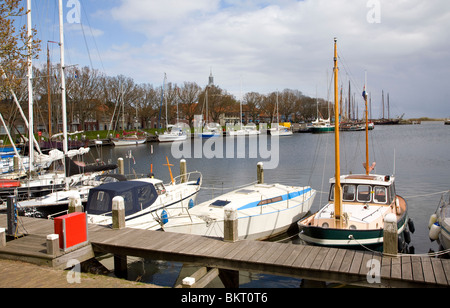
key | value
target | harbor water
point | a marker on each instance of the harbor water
(417, 155)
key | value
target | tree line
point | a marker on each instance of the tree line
(92, 95)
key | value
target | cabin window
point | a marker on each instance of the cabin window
(160, 189)
(128, 198)
(364, 192)
(271, 200)
(380, 194)
(146, 196)
(349, 192)
(101, 203)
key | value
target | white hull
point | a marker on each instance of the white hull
(131, 141)
(255, 222)
(171, 137)
(243, 132)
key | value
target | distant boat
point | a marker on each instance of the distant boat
(283, 129)
(244, 130)
(129, 139)
(322, 126)
(357, 203)
(447, 121)
(174, 133)
(211, 130)
(264, 211)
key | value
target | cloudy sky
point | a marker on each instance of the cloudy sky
(262, 46)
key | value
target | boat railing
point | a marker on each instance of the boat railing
(185, 178)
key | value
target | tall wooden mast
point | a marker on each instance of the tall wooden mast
(337, 186)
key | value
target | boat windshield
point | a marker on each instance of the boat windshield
(136, 199)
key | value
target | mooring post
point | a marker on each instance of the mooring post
(75, 204)
(2, 237)
(188, 282)
(183, 171)
(230, 224)
(11, 212)
(118, 213)
(260, 173)
(121, 165)
(390, 235)
(16, 163)
(52, 244)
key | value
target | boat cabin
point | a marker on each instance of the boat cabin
(376, 189)
(138, 196)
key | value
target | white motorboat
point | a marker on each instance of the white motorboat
(211, 130)
(147, 201)
(129, 140)
(280, 130)
(173, 133)
(244, 130)
(263, 210)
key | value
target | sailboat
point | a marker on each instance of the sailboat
(280, 130)
(177, 132)
(210, 129)
(358, 203)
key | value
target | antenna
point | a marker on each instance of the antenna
(393, 171)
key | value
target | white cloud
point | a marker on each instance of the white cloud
(280, 44)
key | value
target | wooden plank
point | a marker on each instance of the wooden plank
(446, 265)
(309, 260)
(252, 248)
(277, 253)
(337, 261)
(320, 258)
(406, 268)
(386, 267)
(438, 270)
(417, 271)
(301, 257)
(290, 258)
(396, 268)
(367, 257)
(347, 261)
(428, 273)
(328, 261)
(356, 263)
(262, 253)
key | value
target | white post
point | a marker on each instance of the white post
(2, 237)
(75, 204)
(118, 213)
(52, 244)
(390, 235)
(230, 228)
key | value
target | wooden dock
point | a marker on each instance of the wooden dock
(307, 262)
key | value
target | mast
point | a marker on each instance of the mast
(337, 186)
(49, 100)
(30, 88)
(63, 85)
(367, 126)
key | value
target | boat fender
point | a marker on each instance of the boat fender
(191, 204)
(434, 231)
(411, 226)
(164, 217)
(397, 206)
(433, 219)
(401, 243)
(407, 236)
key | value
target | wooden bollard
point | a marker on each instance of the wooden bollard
(260, 173)
(390, 235)
(183, 171)
(118, 213)
(2, 237)
(230, 224)
(52, 244)
(121, 165)
(75, 204)
(16, 163)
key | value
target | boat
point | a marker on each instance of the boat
(447, 121)
(147, 200)
(354, 216)
(280, 129)
(129, 139)
(243, 130)
(264, 211)
(439, 223)
(322, 126)
(177, 132)
(211, 130)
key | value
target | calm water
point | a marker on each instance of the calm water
(418, 155)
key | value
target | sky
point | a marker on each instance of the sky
(265, 46)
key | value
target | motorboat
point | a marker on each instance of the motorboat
(173, 133)
(264, 211)
(147, 200)
(439, 224)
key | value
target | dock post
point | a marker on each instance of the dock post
(188, 282)
(2, 237)
(390, 235)
(230, 224)
(52, 244)
(118, 213)
(12, 215)
(183, 171)
(121, 165)
(75, 204)
(260, 173)
(16, 163)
